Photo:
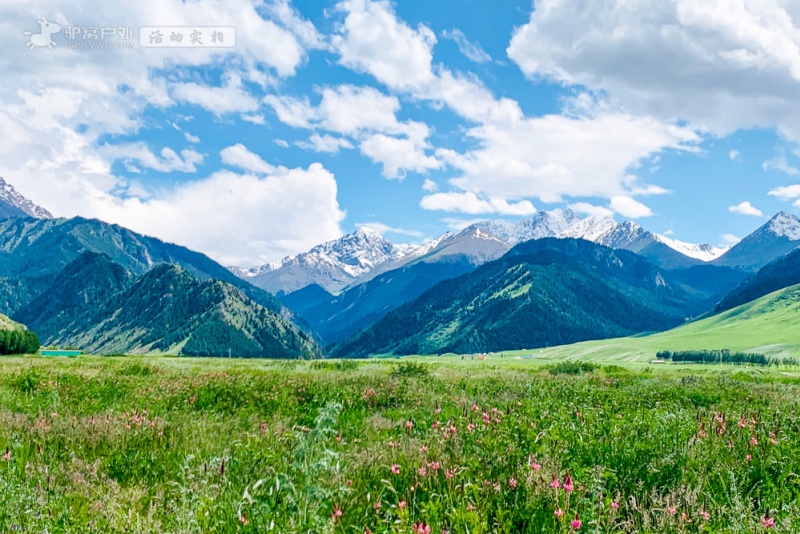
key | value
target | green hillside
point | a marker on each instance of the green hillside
(99, 306)
(542, 293)
(769, 325)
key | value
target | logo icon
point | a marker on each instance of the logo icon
(43, 38)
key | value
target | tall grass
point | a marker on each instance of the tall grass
(179, 446)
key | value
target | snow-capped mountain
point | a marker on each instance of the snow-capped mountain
(630, 236)
(473, 245)
(543, 224)
(12, 204)
(331, 265)
(779, 236)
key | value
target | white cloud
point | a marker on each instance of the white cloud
(472, 51)
(746, 208)
(169, 161)
(734, 155)
(325, 143)
(724, 65)
(730, 239)
(298, 205)
(469, 202)
(254, 119)
(239, 156)
(58, 103)
(787, 192)
(283, 143)
(386, 229)
(429, 185)
(669, 232)
(629, 207)
(574, 156)
(231, 97)
(191, 138)
(397, 155)
(590, 152)
(780, 164)
(586, 208)
(292, 111)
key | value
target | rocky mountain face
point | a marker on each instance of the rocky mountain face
(12, 204)
(779, 236)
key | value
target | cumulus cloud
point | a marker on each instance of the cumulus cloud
(397, 155)
(62, 114)
(734, 155)
(239, 156)
(429, 185)
(730, 240)
(588, 152)
(169, 160)
(719, 64)
(746, 208)
(325, 143)
(787, 192)
(629, 207)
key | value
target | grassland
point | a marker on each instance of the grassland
(767, 326)
(206, 445)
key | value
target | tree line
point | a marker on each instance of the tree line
(722, 356)
(18, 342)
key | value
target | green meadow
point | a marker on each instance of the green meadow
(180, 445)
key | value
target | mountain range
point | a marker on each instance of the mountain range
(495, 285)
(543, 292)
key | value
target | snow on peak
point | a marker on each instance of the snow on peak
(543, 224)
(702, 252)
(785, 225)
(10, 196)
(593, 228)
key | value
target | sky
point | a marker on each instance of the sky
(305, 120)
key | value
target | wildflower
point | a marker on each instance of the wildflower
(470, 427)
(486, 418)
(568, 485)
(349, 483)
(748, 458)
(244, 520)
(615, 505)
(7, 455)
(743, 422)
(705, 515)
(767, 521)
(402, 505)
(474, 407)
(339, 439)
(337, 513)
(377, 506)
(409, 424)
(450, 473)
(555, 484)
(534, 464)
(424, 448)
(435, 465)
(421, 528)
(422, 471)
(559, 513)
(772, 438)
(395, 469)
(576, 523)
(438, 410)
(453, 429)
(512, 483)
(671, 510)
(435, 425)
(754, 441)
(496, 487)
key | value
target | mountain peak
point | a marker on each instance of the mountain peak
(785, 225)
(12, 204)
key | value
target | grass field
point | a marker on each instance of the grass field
(187, 445)
(767, 326)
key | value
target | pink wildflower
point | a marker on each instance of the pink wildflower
(402, 505)
(568, 485)
(559, 513)
(615, 505)
(422, 471)
(421, 528)
(409, 425)
(377, 505)
(395, 469)
(337, 513)
(555, 484)
(474, 407)
(705, 515)
(534, 464)
(767, 521)
(7, 455)
(435, 425)
(671, 510)
(754, 441)
(576, 523)
(512, 483)
(244, 520)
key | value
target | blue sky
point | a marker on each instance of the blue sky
(410, 117)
